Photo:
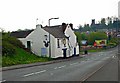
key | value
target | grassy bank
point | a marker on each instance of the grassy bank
(96, 50)
(93, 50)
(22, 57)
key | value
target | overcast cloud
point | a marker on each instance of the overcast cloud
(21, 14)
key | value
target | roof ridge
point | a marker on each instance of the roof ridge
(21, 34)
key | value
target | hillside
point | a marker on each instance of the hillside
(13, 52)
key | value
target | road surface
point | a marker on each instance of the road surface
(100, 66)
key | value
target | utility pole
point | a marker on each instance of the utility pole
(49, 36)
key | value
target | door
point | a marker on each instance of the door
(74, 51)
(29, 45)
(64, 52)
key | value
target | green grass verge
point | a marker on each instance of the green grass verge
(22, 57)
(96, 50)
(93, 50)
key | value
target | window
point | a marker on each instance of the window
(58, 43)
(45, 37)
(64, 42)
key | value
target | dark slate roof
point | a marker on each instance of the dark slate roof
(21, 34)
(57, 31)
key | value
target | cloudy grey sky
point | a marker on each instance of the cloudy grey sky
(21, 14)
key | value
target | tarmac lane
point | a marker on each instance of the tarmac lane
(109, 72)
(70, 70)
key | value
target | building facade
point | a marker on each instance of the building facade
(62, 40)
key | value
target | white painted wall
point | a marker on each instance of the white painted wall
(58, 51)
(37, 38)
(77, 49)
(72, 40)
(52, 38)
(70, 32)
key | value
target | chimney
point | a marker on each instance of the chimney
(38, 26)
(71, 25)
(64, 25)
(93, 21)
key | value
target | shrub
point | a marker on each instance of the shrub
(96, 36)
(114, 40)
(91, 37)
(111, 45)
(9, 40)
(8, 49)
(12, 40)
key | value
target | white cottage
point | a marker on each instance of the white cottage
(62, 40)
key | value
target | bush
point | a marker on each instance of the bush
(22, 57)
(91, 37)
(12, 40)
(114, 40)
(112, 44)
(10, 44)
(96, 36)
(8, 49)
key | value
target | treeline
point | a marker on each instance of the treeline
(92, 36)
(105, 23)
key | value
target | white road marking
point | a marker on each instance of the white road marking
(28, 74)
(74, 63)
(34, 73)
(113, 56)
(62, 66)
(2, 81)
(56, 68)
(40, 72)
(83, 61)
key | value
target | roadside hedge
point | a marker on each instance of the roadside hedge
(9, 45)
(12, 40)
(8, 49)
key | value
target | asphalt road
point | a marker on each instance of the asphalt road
(90, 67)
(107, 73)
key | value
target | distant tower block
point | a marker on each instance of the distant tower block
(119, 9)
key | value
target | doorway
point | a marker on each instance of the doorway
(29, 45)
